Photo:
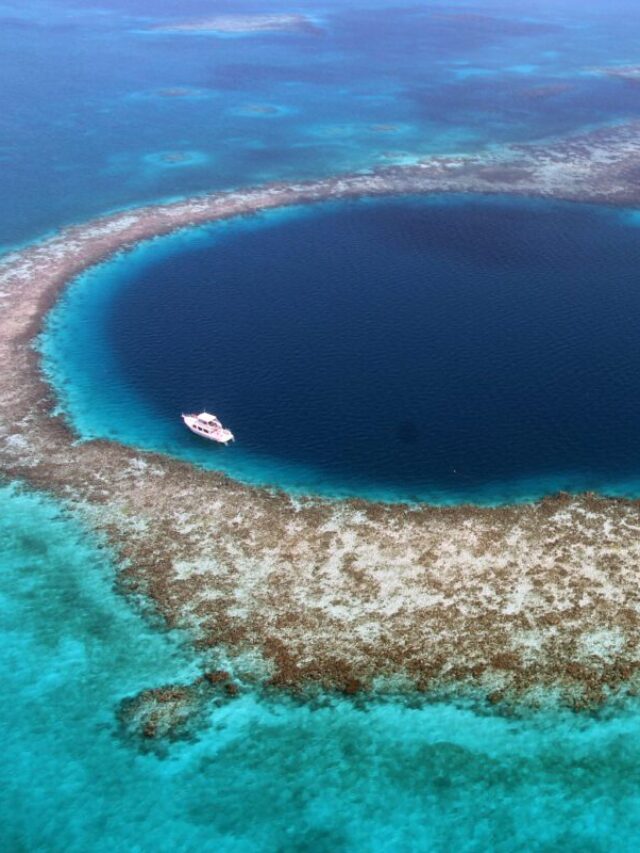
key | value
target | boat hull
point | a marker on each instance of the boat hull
(216, 432)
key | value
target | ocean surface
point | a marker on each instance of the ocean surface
(521, 340)
(94, 105)
(448, 349)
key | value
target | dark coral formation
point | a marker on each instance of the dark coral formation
(174, 711)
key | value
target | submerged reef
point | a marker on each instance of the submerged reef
(346, 594)
(622, 72)
(174, 711)
(240, 24)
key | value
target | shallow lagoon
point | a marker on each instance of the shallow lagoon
(441, 349)
(265, 775)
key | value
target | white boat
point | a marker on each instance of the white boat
(208, 426)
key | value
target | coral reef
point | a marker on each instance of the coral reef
(349, 594)
(174, 711)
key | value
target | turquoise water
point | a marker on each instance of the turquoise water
(264, 775)
(441, 349)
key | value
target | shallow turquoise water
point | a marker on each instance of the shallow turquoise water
(264, 775)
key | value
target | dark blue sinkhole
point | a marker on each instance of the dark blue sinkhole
(443, 349)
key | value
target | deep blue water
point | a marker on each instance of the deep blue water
(441, 348)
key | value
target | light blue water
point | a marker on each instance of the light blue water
(264, 775)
